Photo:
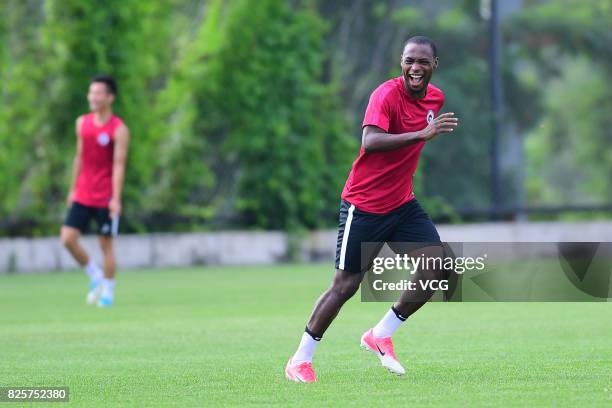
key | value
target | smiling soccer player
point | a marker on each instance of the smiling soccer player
(98, 173)
(378, 203)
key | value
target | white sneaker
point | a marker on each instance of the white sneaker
(105, 301)
(95, 289)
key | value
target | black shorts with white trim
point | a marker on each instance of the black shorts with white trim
(408, 223)
(79, 216)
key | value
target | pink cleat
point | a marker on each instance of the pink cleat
(383, 348)
(300, 371)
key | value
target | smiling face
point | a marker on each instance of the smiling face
(99, 97)
(418, 64)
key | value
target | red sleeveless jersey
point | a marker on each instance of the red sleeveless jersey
(380, 182)
(94, 186)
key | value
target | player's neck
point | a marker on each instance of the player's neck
(417, 95)
(102, 116)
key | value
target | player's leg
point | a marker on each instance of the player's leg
(76, 222)
(105, 237)
(108, 282)
(418, 228)
(411, 301)
(343, 287)
(355, 227)
(70, 240)
(415, 227)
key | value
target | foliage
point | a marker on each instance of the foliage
(247, 114)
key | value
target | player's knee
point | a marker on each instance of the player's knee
(435, 269)
(345, 289)
(106, 245)
(433, 273)
(68, 238)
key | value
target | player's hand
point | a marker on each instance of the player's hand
(444, 123)
(114, 207)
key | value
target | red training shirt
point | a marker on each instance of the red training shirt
(94, 186)
(379, 182)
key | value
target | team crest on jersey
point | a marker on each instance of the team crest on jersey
(103, 139)
(430, 116)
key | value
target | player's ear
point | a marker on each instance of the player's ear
(435, 63)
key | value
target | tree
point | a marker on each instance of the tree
(260, 114)
(569, 60)
(24, 148)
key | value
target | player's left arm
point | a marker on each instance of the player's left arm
(122, 139)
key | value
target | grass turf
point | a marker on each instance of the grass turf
(221, 336)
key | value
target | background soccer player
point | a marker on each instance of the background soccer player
(378, 203)
(95, 193)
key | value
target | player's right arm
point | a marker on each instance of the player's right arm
(76, 163)
(375, 139)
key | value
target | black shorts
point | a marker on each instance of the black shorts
(408, 223)
(79, 216)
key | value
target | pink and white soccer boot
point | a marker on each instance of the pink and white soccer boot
(300, 371)
(383, 348)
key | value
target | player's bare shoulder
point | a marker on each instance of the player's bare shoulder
(122, 136)
(78, 122)
(122, 130)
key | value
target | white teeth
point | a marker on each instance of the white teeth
(416, 76)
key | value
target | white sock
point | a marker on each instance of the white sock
(93, 270)
(306, 348)
(108, 287)
(387, 325)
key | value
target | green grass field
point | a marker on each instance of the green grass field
(221, 336)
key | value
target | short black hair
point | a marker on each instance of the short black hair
(421, 39)
(109, 81)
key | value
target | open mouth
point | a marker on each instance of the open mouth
(415, 80)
